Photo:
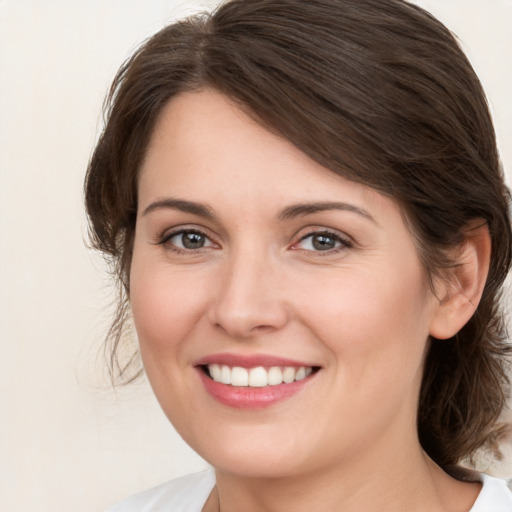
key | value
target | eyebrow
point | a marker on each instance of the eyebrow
(290, 212)
(181, 204)
(299, 210)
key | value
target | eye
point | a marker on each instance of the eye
(322, 241)
(187, 239)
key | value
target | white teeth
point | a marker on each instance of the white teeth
(300, 374)
(216, 372)
(225, 375)
(288, 374)
(275, 376)
(239, 376)
(259, 376)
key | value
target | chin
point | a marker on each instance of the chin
(250, 454)
(263, 464)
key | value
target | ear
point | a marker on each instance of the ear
(459, 292)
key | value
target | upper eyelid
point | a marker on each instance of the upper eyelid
(342, 240)
(170, 233)
(299, 235)
(176, 230)
(317, 230)
(324, 231)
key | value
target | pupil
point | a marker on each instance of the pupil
(193, 240)
(323, 242)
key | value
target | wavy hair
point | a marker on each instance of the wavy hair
(377, 91)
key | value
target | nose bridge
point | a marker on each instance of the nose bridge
(248, 299)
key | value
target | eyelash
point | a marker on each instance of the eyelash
(165, 240)
(343, 242)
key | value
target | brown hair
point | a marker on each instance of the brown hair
(375, 90)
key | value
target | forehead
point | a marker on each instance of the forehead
(203, 137)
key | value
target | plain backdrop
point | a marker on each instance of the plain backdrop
(68, 442)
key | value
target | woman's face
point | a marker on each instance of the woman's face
(256, 265)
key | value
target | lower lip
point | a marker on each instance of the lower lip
(248, 397)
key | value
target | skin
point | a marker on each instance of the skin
(361, 311)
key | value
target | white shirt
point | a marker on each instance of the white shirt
(189, 494)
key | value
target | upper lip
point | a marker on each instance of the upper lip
(250, 361)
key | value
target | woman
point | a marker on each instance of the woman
(304, 206)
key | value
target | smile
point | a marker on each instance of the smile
(255, 381)
(257, 377)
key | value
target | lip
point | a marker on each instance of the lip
(251, 397)
(250, 361)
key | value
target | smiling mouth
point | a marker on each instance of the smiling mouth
(257, 377)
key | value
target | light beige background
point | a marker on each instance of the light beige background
(67, 441)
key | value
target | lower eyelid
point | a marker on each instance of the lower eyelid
(177, 248)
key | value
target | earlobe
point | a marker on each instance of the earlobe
(459, 292)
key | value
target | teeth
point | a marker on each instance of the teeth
(225, 375)
(216, 372)
(275, 376)
(288, 374)
(257, 377)
(301, 374)
(239, 376)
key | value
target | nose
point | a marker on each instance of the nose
(249, 299)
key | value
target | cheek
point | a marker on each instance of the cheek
(166, 308)
(165, 305)
(375, 326)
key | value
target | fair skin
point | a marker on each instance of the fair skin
(248, 253)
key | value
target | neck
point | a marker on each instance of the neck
(409, 481)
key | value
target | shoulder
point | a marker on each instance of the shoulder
(185, 494)
(495, 496)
